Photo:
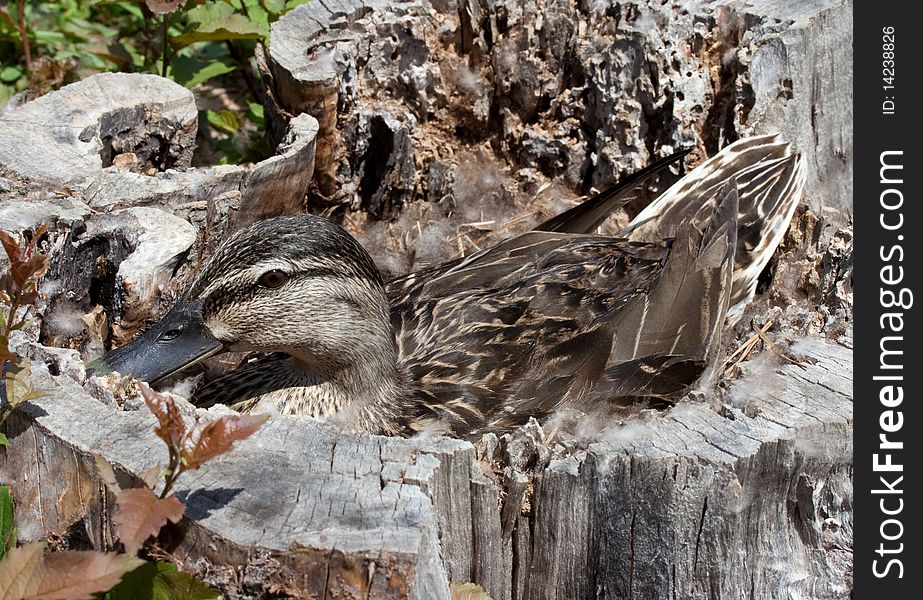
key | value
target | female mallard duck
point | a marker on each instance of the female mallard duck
(557, 317)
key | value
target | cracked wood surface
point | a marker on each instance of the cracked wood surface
(581, 92)
(118, 140)
(754, 496)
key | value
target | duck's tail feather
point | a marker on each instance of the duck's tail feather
(589, 214)
(682, 316)
(770, 183)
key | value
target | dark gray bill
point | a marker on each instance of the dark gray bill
(177, 341)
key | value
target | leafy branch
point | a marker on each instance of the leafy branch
(18, 292)
(28, 571)
(191, 448)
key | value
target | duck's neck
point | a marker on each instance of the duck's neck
(361, 392)
(356, 384)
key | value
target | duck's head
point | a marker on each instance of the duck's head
(299, 285)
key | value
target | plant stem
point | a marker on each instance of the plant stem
(173, 472)
(14, 306)
(165, 41)
(24, 37)
(167, 486)
(244, 69)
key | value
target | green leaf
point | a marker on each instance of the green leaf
(131, 8)
(6, 92)
(50, 37)
(7, 20)
(218, 22)
(127, 45)
(160, 581)
(230, 153)
(259, 15)
(80, 27)
(190, 71)
(4, 441)
(256, 113)
(7, 530)
(11, 73)
(224, 120)
(275, 6)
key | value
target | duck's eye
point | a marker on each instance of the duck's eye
(273, 279)
(170, 334)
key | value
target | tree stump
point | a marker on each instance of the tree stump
(753, 497)
(467, 122)
(117, 140)
(410, 93)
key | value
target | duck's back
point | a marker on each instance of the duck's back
(517, 330)
(547, 320)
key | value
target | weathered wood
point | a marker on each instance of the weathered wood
(118, 147)
(62, 138)
(579, 93)
(301, 508)
(751, 496)
(118, 140)
(272, 187)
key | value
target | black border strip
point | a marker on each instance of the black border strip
(888, 241)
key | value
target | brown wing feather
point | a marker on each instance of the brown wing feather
(504, 337)
(770, 181)
(547, 320)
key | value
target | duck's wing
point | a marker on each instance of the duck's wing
(584, 218)
(546, 320)
(770, 182)
(589, 214)
(663, 337)
(478, 339)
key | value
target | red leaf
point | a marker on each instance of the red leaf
(151, 476)
(163, 7)
(22, 271)
(36, 236)
(141, 514)
(5, 353)
(209, 439)
(76, 575)
(10, 245)
(18, 569)
(172, 428)
(69, 574)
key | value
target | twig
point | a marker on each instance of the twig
(745, 349)
(165, 41)
(512, 222)
(24, 38)
(470, 241)
(477, 224)
(779, 351)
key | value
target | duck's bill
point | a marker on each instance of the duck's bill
(179, 340)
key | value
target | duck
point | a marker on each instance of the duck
(560, 317)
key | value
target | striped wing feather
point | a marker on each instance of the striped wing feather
(770, 182)
(547, 320)
(509, 336)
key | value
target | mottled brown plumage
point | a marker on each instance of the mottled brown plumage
(548, 319)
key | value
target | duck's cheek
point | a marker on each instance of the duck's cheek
(222, 331)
